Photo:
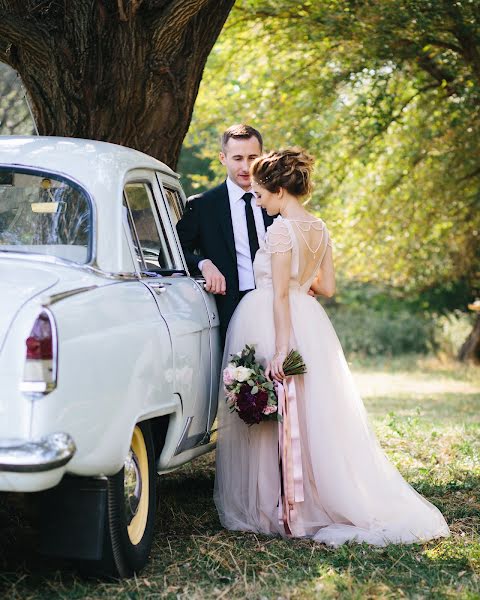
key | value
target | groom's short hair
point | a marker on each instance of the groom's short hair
(240, 132)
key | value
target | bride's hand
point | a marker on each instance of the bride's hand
(275, 367)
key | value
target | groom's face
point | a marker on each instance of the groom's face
(237, 156)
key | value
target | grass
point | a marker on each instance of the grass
(427, 415)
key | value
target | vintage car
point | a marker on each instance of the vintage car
(109, 349)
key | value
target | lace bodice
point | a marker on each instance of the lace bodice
(307, 240)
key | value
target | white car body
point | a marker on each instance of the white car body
(131, 346)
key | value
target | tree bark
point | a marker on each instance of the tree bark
(123, 71)
(470, 350)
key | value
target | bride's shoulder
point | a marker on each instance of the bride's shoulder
(279, 223)
(278, 237)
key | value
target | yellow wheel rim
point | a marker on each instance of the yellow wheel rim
(136, 481)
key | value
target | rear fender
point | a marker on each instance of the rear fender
(114, 369)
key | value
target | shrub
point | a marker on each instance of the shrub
(362, 330)
(451, 331)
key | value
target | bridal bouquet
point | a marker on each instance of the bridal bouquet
(248, 392)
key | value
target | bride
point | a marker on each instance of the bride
(350, 489)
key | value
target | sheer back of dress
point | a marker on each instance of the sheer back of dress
(306, 240)
(311, 240)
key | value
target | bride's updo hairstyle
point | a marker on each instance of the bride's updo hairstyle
(290, 169)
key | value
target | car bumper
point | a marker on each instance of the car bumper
(34, 465)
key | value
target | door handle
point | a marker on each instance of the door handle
(159, 288)
(201, 281)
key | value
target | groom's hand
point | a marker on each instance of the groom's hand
(214, 280)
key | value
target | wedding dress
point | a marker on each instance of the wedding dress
(351, 490)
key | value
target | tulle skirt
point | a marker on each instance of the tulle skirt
(352, 491)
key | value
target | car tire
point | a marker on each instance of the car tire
(131, 508)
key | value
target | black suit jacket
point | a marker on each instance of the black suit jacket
(206, 231)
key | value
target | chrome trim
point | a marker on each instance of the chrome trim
(128, 276)
(62, 295)
(183, 437)
(201, 282)
(50, 452)
(159, 288)
(189, 442)
(36, 387)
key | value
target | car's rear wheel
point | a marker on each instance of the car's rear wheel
(131, 508)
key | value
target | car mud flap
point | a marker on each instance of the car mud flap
(73, 518)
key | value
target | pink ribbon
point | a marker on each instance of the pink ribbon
(290, 454)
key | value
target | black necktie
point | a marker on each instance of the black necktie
(252, 230)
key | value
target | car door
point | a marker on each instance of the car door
(179, 299)
(174, 202)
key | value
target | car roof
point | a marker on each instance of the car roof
(75, 157)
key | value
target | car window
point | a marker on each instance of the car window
(151, 246)
(175, 203)
(45, 214)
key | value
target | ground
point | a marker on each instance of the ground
(427, 416)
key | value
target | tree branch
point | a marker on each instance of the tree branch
(16, 32)
(174, 20)
(443, 44)
(437, 72)
(470, 175)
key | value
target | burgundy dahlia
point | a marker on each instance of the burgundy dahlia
(250, 406)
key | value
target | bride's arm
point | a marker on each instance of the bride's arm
(324, 282)
(281, 264)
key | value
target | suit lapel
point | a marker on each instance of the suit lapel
(225, 220)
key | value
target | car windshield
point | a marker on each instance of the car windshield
(44, 214)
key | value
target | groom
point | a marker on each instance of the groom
(221, 229)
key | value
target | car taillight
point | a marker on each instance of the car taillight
(40, 340)
(40, 371)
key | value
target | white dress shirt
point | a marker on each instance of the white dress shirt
(246, 280)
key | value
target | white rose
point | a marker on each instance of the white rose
(242, 373)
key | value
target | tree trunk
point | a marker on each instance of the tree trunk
(470, 350)
(123, 71)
